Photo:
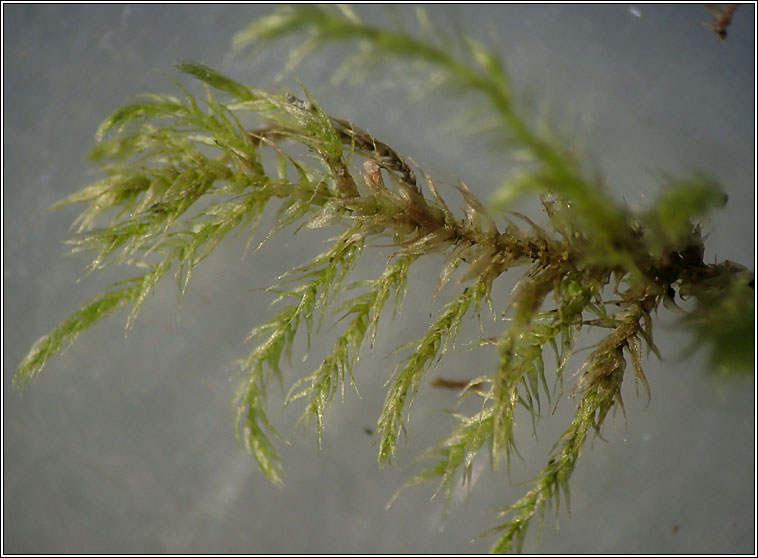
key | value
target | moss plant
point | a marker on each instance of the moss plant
(180, 174)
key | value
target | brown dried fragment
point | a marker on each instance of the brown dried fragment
(455, 385)
(373, 176)
(722, 18)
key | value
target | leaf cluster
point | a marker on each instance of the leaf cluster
(179, 175)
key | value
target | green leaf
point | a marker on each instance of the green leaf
(217, 80)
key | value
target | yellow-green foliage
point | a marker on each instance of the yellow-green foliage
(595, 264)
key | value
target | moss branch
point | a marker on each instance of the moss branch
(163, 155)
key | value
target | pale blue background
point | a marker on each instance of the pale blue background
(126, 445)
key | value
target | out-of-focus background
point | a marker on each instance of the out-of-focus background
(126, 444)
